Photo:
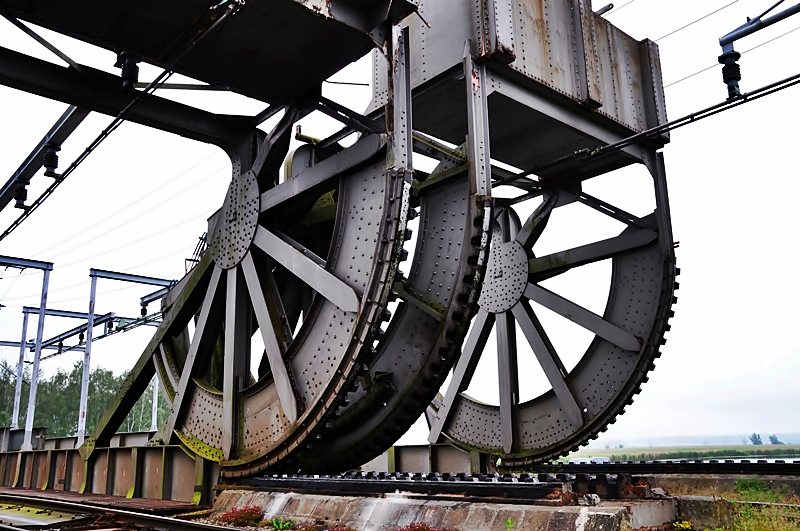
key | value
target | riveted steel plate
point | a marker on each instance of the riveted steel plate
(238, 221)
(603, 381)
(413, 356)
(322, 356)
(506, 277)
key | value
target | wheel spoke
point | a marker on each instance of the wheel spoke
(188, 366)
(582, 317)
(465, 368)
(549, 360)
(557, 263)
(319, 174)
(413, 298)
(536, 223)
(610, 210)
(274, 356)
(508, 379)
(228, 363)
(307, 270)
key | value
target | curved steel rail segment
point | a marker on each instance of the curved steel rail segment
(362, 318)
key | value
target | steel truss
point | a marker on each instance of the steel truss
(312, 262)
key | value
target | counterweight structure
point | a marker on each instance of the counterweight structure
(358, 338)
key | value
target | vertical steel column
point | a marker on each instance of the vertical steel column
(20, 367)
(26, 443)
(478, 124)
(87, 354)
(154, 422)
(400, 76)
(655, 163)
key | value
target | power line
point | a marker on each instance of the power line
(592, 153)
(696, 21)
(108, 230)
(623, 6)
(233, 7)
(744, 52)
(101, 222)
(347, 83)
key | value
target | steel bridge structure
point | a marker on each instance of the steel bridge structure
(360, 334)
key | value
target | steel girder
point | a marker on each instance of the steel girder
(311, 263)
(250, 54)
(97, 91)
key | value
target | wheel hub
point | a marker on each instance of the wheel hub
(237, 222)
(506, 277)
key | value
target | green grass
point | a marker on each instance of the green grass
(748, 497)
(748, 451)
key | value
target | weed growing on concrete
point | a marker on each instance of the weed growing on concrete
(510, 524)
(241, 516)
(422, 526)
(682, 524)
(280, 524)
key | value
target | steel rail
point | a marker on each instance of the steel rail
(479, 486)
(121, 516)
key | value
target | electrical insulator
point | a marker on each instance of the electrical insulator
(130, 70)
(50, 161)
(21, 195)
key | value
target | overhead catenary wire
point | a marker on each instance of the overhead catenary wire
(742, 53)
(696, 21)
(232, 8)
(83, 259)
(591, 153)
(623, 6)
(160, 187)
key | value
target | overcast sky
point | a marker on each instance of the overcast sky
(732, 359)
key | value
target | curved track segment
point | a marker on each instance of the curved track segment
(217, 410)
(413, 355)
(582, 401)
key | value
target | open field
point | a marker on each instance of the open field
(694, 452)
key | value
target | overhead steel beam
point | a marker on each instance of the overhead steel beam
(102, 92)
(125, 277)
(156, 295)
(24, 263)
(55, 340)
(65, 125)
(29, 344)
(56, 313)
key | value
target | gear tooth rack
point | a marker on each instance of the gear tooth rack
(358, 337)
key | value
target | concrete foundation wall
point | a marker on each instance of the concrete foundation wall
(721, 483)
(705, 512)
(396, 510)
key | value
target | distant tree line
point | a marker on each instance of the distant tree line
(756, 439)
(58, 397)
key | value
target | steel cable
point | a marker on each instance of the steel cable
(120, 118)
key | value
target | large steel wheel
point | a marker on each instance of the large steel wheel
(412, 356)
(582, 401)
(324, 247)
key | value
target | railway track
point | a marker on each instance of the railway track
(549, 484)
(20, 512)
(544, 484)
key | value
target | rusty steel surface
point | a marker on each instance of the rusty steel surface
(358, 338)
(161, 507)
(248, 54)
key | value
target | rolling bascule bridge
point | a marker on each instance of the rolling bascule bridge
(519, 102)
